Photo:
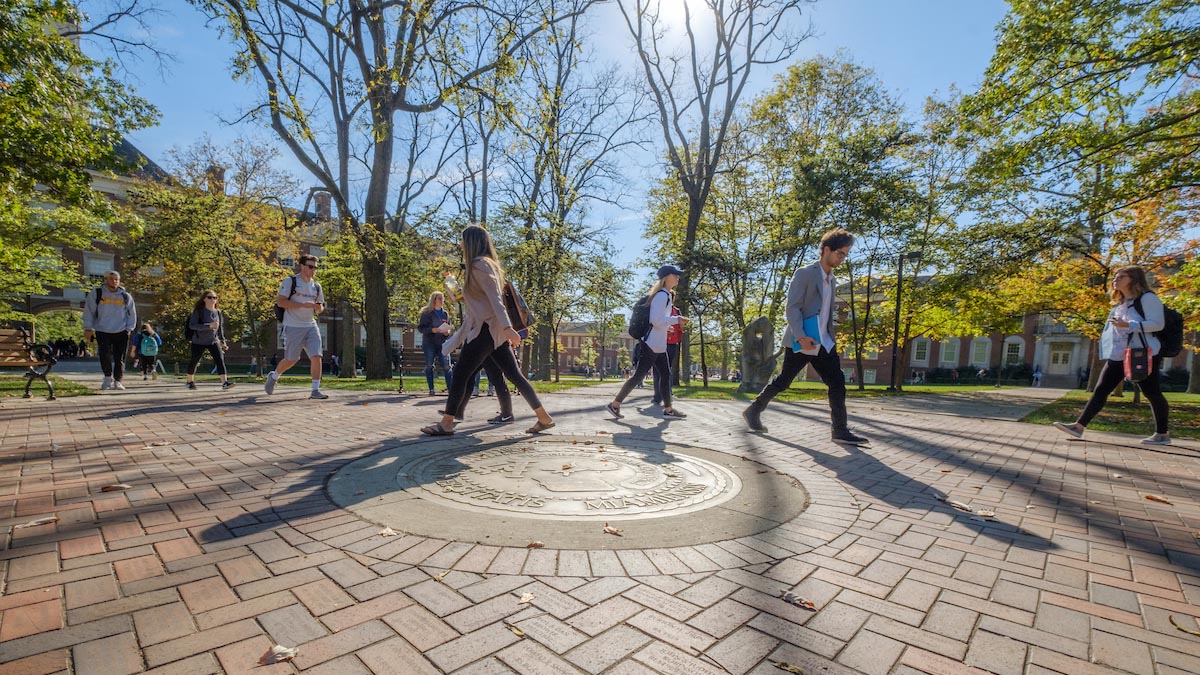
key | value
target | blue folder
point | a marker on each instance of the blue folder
(811, 327)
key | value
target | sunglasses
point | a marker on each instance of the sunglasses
(210, 297)
(311, 267)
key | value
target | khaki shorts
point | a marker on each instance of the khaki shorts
(296, 338)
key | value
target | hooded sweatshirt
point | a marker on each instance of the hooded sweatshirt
(115, 313)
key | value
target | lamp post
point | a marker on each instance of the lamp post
(896, 372)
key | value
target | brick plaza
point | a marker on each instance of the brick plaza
(226, 543)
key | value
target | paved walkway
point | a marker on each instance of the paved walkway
(226, 543)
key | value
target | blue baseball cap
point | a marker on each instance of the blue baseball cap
(667, 270)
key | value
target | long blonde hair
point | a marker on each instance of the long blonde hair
(659, 285)
(433, 296)
(1137, 283)
(477, 243)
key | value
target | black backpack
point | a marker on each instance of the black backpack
(639, 318)
(1170, 338)
(279, 310)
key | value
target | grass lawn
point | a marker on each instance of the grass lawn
(1122, 415)
(719, 390)
(14, 385)
(413, 384)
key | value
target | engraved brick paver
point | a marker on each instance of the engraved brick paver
(227, 544)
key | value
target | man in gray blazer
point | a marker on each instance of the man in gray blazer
(811, 296)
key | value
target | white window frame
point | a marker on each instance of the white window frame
(1009, 342)
(986, 362)
(920, 344)
(949, 347)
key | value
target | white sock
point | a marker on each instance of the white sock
(272, 375)
(316, 385)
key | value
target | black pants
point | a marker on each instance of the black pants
(1111, 375)
(496, 381)
(198, 351)
(673, 362)
(111, 348)
(148, 363)
(662, 373)
(828, 365)
(474, 356)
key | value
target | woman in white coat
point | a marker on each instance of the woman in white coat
(1126, 327)
(654, 345)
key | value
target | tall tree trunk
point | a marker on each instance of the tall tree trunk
(1194, 376)
(682, 300)
(348, 338)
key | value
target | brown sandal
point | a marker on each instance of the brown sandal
(436, 430)
(538, 427)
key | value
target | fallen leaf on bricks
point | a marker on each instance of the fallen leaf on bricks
(1160, 500)
(958, 505)
(985, 513)
(947, 470)
(1117, 475)
(793, 599)
(515, 631)
(762, 470)
(278, 654)
(1189, 631)
(360, 438)
(388, 532)
(526, 598)
(159, 444)
(566, 467)
(192, 424)
(787, 667)
(535, 544)
(608, 529)
(40, 521)
(116, 487)
(441, 576)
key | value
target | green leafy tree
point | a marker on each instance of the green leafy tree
(62, 114)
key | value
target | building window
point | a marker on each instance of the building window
(1014, 349)
(95, 266)
(949, 351)
(981, 352)
(920, 352)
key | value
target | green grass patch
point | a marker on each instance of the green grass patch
(413, 384)
(1122, 415)
(720, 390)
(14, 385)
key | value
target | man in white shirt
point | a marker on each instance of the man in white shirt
(811, 295)
(301, 298)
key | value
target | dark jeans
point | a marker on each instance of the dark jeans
(111, 348)
(662, 373)
(496, 381)
(433, 356)
(1111, 375)
(828, 365)
(673, 362)
(148, 363)
(473, 357)
(198, 351)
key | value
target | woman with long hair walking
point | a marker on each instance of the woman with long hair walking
(207, 326)
(654, 343)
(486, 331)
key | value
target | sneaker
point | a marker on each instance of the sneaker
(269, 385)
(674, 413)
(145, 377)
(501, 419)
(752, 420)
(614, 411)
(318, 395)
(1157, 439)
(226, 384)
(848, 438)
(1072, 429)
(191, 385)
(154, 376)
(431, 393)
(117, 385)
(107, 383)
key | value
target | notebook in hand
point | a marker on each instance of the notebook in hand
(812, 330)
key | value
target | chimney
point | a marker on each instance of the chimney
(322, 200)
(216, 179)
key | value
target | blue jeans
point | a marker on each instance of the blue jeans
(433, 355)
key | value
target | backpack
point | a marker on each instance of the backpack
(1170, 338)
(639, 318)
(148, 345)
(96, 312)
(279, 310)
(518, 311)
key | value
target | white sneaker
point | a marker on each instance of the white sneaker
(145, 377)
(118, 385)
(269, 385)
(1157, 439)
(107, 383)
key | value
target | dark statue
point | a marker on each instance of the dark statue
(758, 355)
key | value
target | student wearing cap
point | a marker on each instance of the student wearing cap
(654, 344)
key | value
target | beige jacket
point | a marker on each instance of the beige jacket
(483, 302)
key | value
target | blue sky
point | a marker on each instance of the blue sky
(917, 48)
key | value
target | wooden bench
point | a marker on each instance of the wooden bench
(18, 350)
(412, 360)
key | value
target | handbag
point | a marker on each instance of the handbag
(518, 312)
(1138, 362)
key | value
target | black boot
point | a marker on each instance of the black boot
(751, 416)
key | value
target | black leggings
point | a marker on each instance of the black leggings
(1111, 375)
(662, 373)
(473, 356)
(496, 380)
(198, 351)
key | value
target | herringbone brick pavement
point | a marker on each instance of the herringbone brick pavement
(225, 544)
